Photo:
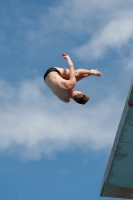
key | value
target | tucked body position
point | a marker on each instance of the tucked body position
(62, 81)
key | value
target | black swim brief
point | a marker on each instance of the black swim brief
(52, 69)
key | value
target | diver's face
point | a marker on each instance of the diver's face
(78, 92)
(75, 93)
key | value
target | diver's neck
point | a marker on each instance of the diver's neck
(73, 93)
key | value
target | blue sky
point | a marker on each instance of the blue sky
(49, 149)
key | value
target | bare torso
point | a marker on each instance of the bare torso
(59, 86)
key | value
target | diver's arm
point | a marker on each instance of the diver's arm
(72, 78)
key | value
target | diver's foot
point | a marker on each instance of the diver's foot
(95, 72)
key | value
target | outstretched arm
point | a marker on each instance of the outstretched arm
(72, 79)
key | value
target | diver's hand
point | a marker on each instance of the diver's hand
(65, 56)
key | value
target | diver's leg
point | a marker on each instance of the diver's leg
(64, 73)
(83, 73)
(79, 73)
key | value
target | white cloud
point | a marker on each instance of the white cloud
(33, 124)
(102, 24)
(127, 61)
(116, 34)
(99, 26)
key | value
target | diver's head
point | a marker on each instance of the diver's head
(80, 97)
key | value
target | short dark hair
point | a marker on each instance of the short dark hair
(81, 98)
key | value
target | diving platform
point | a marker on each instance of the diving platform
(118, 178)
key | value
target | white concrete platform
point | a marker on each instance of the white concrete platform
(118, 178)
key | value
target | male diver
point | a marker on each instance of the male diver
(62, 81)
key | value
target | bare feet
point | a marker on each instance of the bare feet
(95, 72)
